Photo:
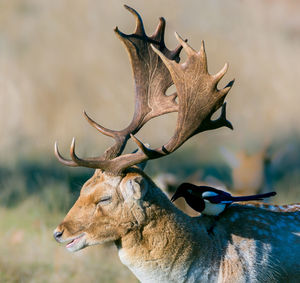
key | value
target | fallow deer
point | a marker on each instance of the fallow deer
(120, 203)
(248, 171)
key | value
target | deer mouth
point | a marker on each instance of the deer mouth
(76, 243)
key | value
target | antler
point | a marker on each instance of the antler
(151, 78)
(197, 92)
(198, 95)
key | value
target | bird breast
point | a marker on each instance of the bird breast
(213, 209)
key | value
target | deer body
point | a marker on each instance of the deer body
(120, 204)
(159, 243)
(245, 246)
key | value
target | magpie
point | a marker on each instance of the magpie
(211, 201)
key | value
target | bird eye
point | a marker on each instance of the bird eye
(104, 200)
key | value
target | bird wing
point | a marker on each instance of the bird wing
(254, 197)
(201, 191)
(219, 199)
(217, 196)
(226, 198)
(211, 194)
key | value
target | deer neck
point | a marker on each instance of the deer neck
(163, 250)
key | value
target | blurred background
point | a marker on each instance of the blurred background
(60, 57)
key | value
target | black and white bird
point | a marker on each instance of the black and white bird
(211, 201)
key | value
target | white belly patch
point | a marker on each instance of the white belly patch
(213, 209)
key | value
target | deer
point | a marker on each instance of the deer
(120, 204)
(249, 174)
(254, 173)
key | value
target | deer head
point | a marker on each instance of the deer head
(110, 203)
(108, 208)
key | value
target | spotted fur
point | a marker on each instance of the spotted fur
(276, 208)
(159, 243)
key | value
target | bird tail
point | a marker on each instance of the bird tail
(254, 197)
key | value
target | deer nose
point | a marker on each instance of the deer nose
(57, 235)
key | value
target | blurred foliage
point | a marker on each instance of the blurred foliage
(57, 187)
(30, 254)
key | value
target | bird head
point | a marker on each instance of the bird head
(181, 191)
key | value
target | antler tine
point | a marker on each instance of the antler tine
(96, 163)
(101, 129)
(159, 33)
(76, 161)
(218, 123)
(150, 154)
(222, 120)
(73, 154)
(120, 137)
(139, 28)
(187, 48)
(158, 36)
(217, 77)
(227, 88)
(61, 159)
(79, 161)
(203, 56)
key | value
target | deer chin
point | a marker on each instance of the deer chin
(77, 243)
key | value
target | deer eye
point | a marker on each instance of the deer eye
(104, 200)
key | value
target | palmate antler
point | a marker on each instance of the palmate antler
(151, 78)
(155, 69)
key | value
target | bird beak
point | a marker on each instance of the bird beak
(174, 197)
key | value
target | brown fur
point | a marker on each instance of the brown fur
(159, 243)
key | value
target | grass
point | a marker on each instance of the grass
(34, 197)
(30, 254)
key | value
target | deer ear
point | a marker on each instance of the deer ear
(133, 188)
